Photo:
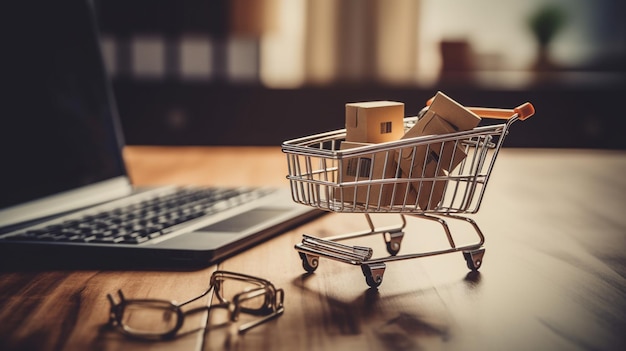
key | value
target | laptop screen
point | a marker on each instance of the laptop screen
(58, 131)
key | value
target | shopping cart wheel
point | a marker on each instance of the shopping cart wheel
(474, 258)
(393, 242)
(309, 262)
(373, 273)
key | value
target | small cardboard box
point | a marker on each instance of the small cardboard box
(430, 193)
(443, 116)
(374, 121)
(378, 165)
(454, 113)
(448, 154)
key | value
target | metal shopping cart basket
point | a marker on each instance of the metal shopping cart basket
(370, 179)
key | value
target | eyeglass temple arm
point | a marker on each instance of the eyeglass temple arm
(205, 293)
(120, 294)
(277, 306)
(245, 327)
(115, 307)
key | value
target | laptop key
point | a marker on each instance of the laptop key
(154, 235)
(135, 240)
(108, 240)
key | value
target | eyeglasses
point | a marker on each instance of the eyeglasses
(162, 319)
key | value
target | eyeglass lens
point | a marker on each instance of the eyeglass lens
(250, 295)
(149, 318)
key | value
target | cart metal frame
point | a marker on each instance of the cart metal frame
(317, 170)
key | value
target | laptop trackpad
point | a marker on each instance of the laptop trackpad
(243, 221)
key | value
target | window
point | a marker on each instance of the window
(385, 128)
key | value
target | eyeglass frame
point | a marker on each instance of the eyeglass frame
(272, 306)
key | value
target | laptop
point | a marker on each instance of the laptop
(65, 195)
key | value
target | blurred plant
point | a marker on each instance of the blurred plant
(546, 22)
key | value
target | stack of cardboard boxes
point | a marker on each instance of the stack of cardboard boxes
(382, 121)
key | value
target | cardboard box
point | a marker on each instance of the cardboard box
(430, 193)
(374, 121)
(449, 154)
(378, 165)
(454, 113)
(443, 116)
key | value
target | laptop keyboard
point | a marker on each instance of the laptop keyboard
(140, 222)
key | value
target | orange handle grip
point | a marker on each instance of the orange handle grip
(523, 111)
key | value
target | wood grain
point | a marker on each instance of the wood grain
(554, 275)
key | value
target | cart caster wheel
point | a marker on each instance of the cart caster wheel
(474, 258)
(393, 248)
(393, 242)
(309, 263)
(373, 274)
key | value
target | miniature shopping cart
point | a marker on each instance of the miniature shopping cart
(368, 179)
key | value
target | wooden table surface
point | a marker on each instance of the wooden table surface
(553, 278)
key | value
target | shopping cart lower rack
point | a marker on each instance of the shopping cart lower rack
(369, 179)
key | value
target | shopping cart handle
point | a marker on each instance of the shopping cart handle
(522, 111)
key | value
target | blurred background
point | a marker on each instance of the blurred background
(258, 72)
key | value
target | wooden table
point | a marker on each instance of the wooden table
(554, 274)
